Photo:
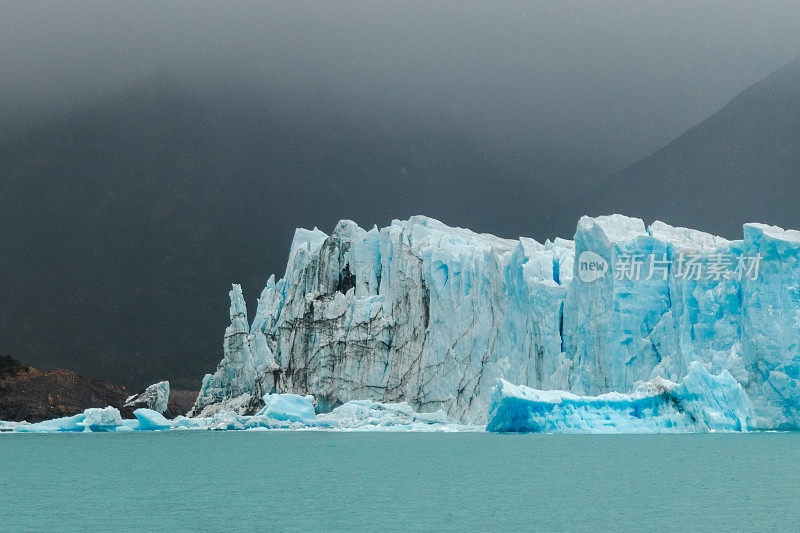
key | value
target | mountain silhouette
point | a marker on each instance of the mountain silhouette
(125, 222)
(740, 165)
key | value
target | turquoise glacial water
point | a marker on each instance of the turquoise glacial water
(245, 481)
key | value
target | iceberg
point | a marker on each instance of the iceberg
(434, 316)
(8, 427)
(183, 422)
(101, 419)
(288, 407)
(290, 411)
(150, 420)
(91, 420)
(700, 403)
(280, 412)
(95, 420)
(367, 415)
(155, 397)
(66, 423)
(226, 421)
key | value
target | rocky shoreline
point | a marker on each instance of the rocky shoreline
(35, 395)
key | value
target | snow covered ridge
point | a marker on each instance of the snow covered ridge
(435, 316)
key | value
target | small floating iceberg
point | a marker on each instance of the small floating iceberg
(96, 420)
(280, 411)
(150, 420)
(288, 407)
(99, 420)
(368, 415)
(291, 411)
(63, 424)
(700, 403)
(155, 397)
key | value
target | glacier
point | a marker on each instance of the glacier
(419, 326)
(435, 316)
(415, 312)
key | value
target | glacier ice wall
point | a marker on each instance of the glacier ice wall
(621, 331)
(416, 312)
(435, 316)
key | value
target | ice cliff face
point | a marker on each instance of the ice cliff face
(415, 312)
(435, 316)
(730, 305)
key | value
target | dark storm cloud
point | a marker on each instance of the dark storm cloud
(613, 79)
(171, 148)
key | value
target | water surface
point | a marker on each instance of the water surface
(241, 481)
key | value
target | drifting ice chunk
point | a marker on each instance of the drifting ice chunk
(288, 407)
(282, 411)
(183, 422)
(700, 403)
(150, 420)
(11, 426)
(365, 415)
(226, 421)
(94, 419)
(101, 419)
(154, 397)
(66, 423)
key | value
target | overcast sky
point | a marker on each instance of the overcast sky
(495, 116)
(631, 74)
